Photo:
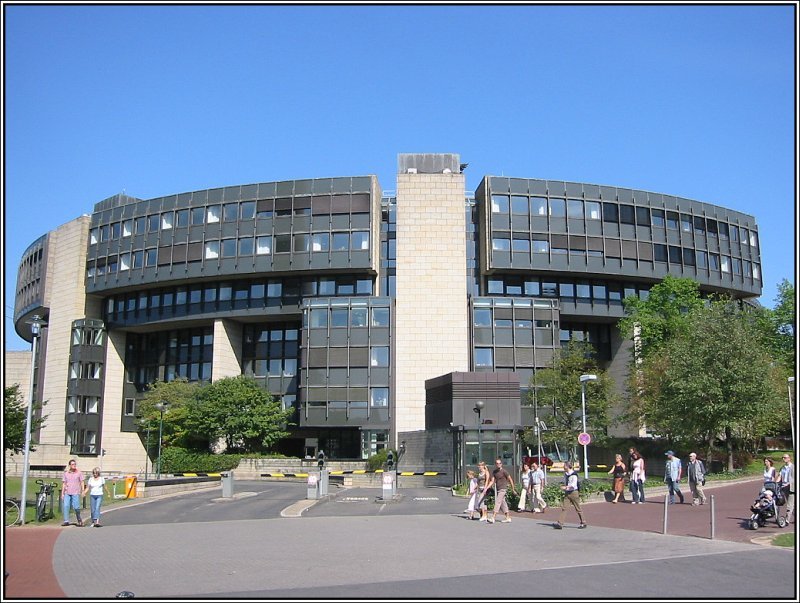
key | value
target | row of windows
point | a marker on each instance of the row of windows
(82, 441)
(88, 336)
(482, 317)
(229, 248)
(344, 317)
(242, 294)
(519, 205)
(230, 212)
(167, 355)
(679, 256)
(83, 404)
(270, 350)
(536, 287)
(85, 370)
(377, 397)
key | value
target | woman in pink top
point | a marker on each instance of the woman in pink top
(637, 478)
(71, 489)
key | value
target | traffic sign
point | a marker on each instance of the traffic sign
(584, 439)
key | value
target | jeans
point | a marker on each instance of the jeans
(97, 499)
(673, 490)
(74, 501)
(637, 490)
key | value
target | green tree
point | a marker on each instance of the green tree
(782, 326)
(559, 389)
(712, 380)
(178, 394)
(14, 418)
(238, 411)
(663, 315)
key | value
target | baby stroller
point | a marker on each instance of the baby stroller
(766, 506)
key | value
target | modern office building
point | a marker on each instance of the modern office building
(343, 300)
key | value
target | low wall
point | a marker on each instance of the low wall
(154, 487)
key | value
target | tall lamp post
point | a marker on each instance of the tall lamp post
(36, 323)
(791, 413)
(584, 379)
(478, 408)
(161, 407)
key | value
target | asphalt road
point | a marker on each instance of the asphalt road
(352, 546)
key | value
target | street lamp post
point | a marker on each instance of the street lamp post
(36, 323)
(478, 408)
(161, 407)
(791, 413)
(584, 379)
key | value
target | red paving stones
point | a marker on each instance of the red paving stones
(732, 509)
(28, 559)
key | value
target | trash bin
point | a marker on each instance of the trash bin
(130, 486)
(227, 484)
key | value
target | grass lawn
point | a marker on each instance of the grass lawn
(13, 489)
(784, 540)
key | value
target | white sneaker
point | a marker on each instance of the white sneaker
(482, 519)
(491, 520)
(506, 520)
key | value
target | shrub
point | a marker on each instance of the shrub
(378, 460)
(181, 460)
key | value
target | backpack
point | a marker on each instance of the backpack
(577, 481)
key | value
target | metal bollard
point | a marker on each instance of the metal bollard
(227, 484)
(713, 523)
(666, 512)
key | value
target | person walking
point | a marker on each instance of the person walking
(500, 480)
(571, 496)
(696, 476)
(525, 476)
(672, 476)
(96, 487)
(537, 483)
(786, 480)
(484, 483)
(638, 478)
(71, 489)
(770, 475)
(618, 470)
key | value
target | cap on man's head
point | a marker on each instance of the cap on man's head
(669, 453)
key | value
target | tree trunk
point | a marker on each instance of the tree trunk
(729, 447)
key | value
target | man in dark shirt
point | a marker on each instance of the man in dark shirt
(500, 479)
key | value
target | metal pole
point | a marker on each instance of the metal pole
(791, 413)
(666, 507)
(480, 437)
(35, 324)
(160, 427)
(583, 419)
(147, 452)
(713, 524)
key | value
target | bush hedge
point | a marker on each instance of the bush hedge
(183, 460)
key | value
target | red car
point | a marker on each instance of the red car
(546, 461)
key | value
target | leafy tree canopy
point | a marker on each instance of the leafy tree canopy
(14, 418)
(711, 379)
(558, 396)
(664, 314)
(238, 411)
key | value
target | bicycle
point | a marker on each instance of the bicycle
(12, 514)
(44, 500)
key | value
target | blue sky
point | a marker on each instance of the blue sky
(693, 101)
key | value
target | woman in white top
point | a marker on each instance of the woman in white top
(96, 487)
(637, 478)
(769, 470)
(526, 485)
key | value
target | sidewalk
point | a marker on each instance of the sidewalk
(29, 549)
